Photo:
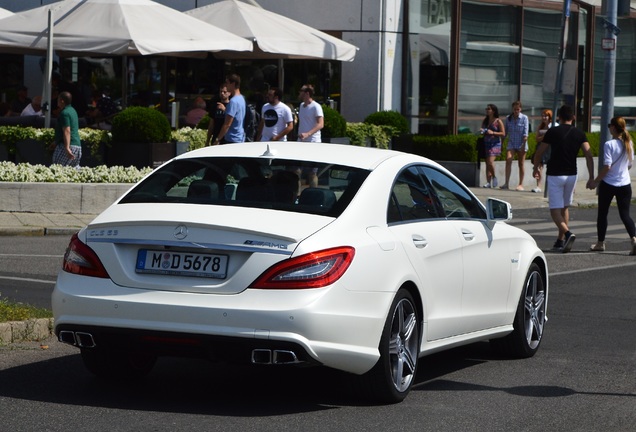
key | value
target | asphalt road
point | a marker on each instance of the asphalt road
(582, 378)
(29, 266)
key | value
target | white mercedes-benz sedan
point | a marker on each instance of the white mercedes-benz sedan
(285, 253)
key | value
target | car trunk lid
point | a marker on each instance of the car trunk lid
(240, 242)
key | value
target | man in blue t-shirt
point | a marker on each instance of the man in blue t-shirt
(232, 129)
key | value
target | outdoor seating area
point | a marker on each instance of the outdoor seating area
(77, 45)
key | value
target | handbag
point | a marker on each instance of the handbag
(481, 148)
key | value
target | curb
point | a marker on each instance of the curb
(22, 231)
(32, 330)
(37, 231)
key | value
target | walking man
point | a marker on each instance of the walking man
(564, 141)
(311, 118)
(68, 147)
(276, 118)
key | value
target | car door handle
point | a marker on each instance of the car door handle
(419, 241)
(467, 234)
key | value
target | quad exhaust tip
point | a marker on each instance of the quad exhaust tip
(259, 356)
(274, 357)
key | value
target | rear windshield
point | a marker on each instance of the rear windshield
(290, 185)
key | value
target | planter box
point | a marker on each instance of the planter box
(92, 160)
(140, 155)
(33, 152)
(182, 147)
(79, 198)
(4, 152)
(338, 140)
(467, 172)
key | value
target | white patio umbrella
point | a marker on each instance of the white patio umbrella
(5, 13)
(273, 35)
(114, 27)
(111, 27)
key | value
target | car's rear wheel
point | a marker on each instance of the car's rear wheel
(392, 377)
(118, 364)
(530, 318)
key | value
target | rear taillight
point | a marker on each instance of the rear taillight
(82, 260)
(312, 270)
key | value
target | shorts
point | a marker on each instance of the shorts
(60, 157)
(560, 190)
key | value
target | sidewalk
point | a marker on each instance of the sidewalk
(526, 199)
(39, 224)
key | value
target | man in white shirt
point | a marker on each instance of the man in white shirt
(276, 118)
(311, 118)
(34, 108)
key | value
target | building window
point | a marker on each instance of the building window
(428, 65)
(488, 62)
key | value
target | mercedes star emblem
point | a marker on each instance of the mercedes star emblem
(181, 232)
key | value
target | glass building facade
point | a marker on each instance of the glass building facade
(466, 54)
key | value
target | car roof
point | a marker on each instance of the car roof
(342, 154)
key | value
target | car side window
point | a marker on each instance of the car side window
(411, 198)
(456, 201)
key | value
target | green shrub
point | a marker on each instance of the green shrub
(204, 122)
(335, 123)
(140, 125)
(25, 172)
(363, 134)
(462, 147)
(446, 148)
(389, 118)
(196, 137)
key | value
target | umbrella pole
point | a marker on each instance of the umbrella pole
(124, 81)
(48, 71)
(281, 74)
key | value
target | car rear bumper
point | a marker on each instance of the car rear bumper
(329, 326)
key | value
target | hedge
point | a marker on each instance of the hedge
(463, 147)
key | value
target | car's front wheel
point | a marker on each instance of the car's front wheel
(392, 377)
(117, 364)
(530, 318)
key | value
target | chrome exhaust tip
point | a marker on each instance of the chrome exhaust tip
(274, 357)
(78, 339)
(67, 337)
(84, 340)
(285, 357)
(262, 356)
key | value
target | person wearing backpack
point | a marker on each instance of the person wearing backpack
(276, 118)
(250, 123)
(232, 130)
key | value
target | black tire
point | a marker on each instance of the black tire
(119, 365)
(391, 378)
(529, 321)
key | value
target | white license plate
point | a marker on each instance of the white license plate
(181, 263)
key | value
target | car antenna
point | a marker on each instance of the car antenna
(269, 154)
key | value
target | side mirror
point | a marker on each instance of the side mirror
(498, 210)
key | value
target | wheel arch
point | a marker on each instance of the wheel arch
(412, 288)
(543, 267)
